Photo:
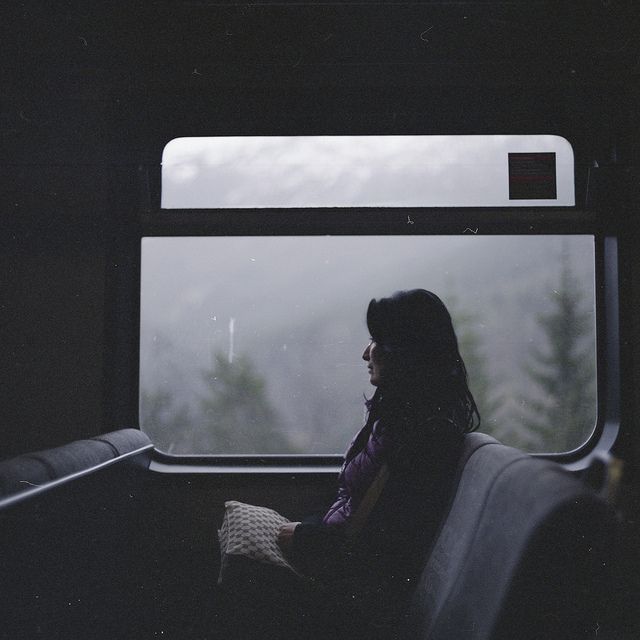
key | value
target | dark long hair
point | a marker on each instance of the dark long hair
(423, 369)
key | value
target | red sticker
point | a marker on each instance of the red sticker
(532, 176)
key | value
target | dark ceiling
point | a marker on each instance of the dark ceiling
(142, 72)
(78, 47)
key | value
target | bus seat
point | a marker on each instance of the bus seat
(524, 552)
(75, 563)
(41, 467)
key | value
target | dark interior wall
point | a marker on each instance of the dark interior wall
(52, 331)
(54, 197)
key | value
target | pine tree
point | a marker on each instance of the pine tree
(480, 383)
(563, 409)
(237, 416)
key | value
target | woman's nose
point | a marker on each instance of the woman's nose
(365, 354)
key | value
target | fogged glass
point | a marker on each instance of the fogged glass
(253, 345)
(367, 171)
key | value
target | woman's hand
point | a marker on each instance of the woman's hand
(285, 535)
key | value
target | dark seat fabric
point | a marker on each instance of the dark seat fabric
(523, 553)
(38, 468)
(77, 562)
(124, 440)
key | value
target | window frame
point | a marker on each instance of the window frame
(423, 221)
(136, 196)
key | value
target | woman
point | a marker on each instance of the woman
(367, 549)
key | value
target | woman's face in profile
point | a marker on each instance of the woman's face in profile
(373, 356)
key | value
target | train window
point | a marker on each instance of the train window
(367, 171)
(250, 344)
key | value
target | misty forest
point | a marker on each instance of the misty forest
(252, 345)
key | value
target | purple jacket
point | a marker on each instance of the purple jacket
(406, 514)
(362, 464)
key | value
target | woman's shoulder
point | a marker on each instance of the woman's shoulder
(385, 433)
(381, 439)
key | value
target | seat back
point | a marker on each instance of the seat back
(40, 468)
(75, 561)
(522, 553)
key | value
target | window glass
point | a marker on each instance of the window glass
(252, 345)
(367, 171)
